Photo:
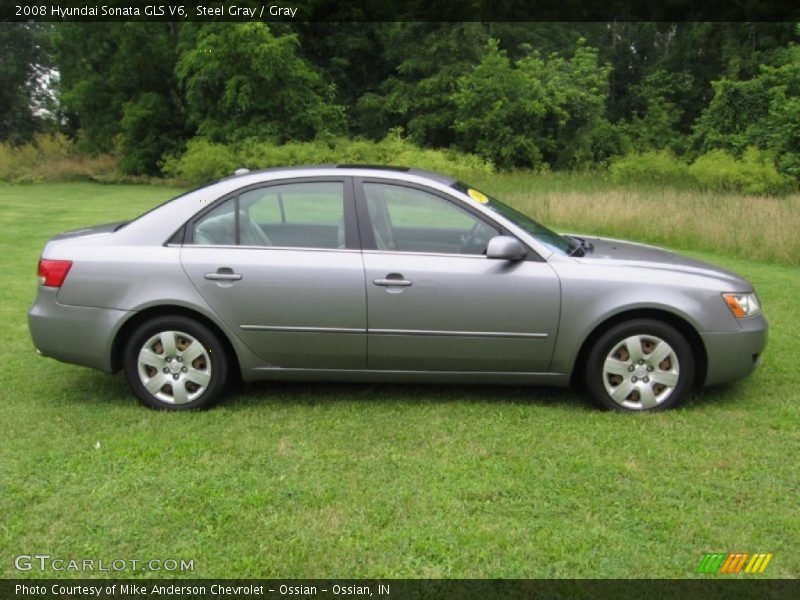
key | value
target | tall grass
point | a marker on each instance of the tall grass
(760, 227)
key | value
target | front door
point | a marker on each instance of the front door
(435, 302)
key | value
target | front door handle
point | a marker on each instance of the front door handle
(223, 274)
(392, 280)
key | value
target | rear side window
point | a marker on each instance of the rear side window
(308, 215)
(312, 203)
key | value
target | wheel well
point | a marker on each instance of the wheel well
(683, 326)
(118, 346)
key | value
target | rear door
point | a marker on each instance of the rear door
(280, 264)
(435, 302)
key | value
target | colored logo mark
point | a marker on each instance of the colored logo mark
(734, 562)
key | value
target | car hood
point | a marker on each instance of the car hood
(92, 230)
(631, 254)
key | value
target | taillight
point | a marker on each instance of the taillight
(52, 273)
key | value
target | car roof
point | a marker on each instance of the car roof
(378, 169)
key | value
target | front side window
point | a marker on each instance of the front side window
(411, 220)
(302, 215)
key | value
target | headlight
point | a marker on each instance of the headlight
(743, 305)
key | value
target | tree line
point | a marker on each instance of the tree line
(521, 95)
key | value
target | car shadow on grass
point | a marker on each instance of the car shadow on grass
(573, 398)
(725, 394)
(88, 387)
(405, 393)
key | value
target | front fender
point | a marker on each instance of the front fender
(590, 299)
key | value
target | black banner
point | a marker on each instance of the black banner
(397, 10)
(709, 588)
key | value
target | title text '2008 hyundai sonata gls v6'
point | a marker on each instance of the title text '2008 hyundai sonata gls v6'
(359, 273)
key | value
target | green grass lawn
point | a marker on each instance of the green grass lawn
(323, 480)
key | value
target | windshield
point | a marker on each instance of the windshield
(548, 237)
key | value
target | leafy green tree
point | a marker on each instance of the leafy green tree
(241, 80)
(428, 59)
(761, 112)
(144, 140)
(520, 39)
(24, 69)
(119, 90)
(537, 110)
(655, 125)
(499, 113)
(350, 55)
(700, 53)
(685, 58)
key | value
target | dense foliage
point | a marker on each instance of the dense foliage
(521, 95)
(118, 90)
(241, 81)
(533, 111)
(762, 112)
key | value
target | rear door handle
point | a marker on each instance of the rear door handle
(223, 274)
(390, 281)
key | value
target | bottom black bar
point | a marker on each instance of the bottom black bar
(709, 588)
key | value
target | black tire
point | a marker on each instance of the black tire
(641, 379)
(209, 368)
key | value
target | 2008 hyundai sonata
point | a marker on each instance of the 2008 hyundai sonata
(383, 274)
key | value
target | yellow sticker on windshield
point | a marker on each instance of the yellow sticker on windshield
(478, 196)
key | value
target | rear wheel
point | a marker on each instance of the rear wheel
(175, 363)
(641, 365)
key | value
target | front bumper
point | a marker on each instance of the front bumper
(735, 355)
(81, 335)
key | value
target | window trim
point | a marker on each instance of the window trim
(351, 231)
(365, 223)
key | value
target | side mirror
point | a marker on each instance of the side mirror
(505, 247)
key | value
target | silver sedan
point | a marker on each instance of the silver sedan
(357, 273)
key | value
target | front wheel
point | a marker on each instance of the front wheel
(175, 363)
(640, 365)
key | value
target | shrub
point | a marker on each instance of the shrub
(53, 158)
(205, 161)
(754, 173)
(655, 166)
(202, 161)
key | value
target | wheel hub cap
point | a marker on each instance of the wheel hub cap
(641, 372)
(174, 367)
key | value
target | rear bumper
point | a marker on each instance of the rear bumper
(735, 355)
(80, 335)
